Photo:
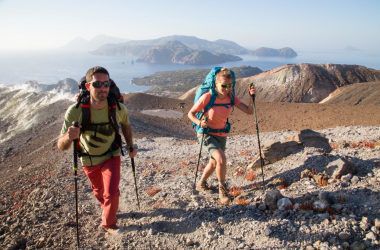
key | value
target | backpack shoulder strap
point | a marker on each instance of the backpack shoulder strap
(86, 116)
(211, 103)
(112, 106)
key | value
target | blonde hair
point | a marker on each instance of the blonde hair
(224, 73)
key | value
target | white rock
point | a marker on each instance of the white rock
(370, 236)
(377, 223)
(320, 205)
(241, 246)
(221, 220)
(375, 230)
(284, 204)
(344, 236)
(355, 179)
(346, 177)
(267, 231)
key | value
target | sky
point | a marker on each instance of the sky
(300, 24)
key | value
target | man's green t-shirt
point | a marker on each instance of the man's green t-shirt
(96, 141)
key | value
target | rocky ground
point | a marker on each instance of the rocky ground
(172, 216)
(37, 207)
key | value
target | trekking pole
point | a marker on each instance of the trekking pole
(75, 168)
(258, 136)
(199, 157)
(134, 177)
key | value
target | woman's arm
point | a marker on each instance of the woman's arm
(193, 118)
(246, 108)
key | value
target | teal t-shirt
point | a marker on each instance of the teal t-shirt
(99, 138)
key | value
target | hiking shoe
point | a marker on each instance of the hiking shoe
(113, 230)
(223, 194)
(202, 186)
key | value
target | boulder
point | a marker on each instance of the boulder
(275, 151)
(271, 197)
(336, 169)
(320, 205)
(284, 204)
(310, 138)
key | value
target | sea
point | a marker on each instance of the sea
(49, 67)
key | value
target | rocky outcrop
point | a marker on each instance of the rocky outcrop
(366, 93)
(174, 52)
(309, 83)
(273, 151)
(65, 86)
(269, 52)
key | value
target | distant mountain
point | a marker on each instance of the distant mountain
(182, 80)
(365, 93)
(64, 86)
(351, 48)
(175, 52)
(310, 83)
(139, 47)
(269, 52)
(81, 44)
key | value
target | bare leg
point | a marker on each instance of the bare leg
(209, 169)
(220, 160)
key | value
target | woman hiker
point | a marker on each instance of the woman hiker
(214, 123)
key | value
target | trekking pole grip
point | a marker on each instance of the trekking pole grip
(252, 85)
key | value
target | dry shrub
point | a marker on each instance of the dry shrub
(152, 191)
(334, 145)
(241, 201)
(250, 175)
(239, 171)
(281, 187)
(235, 191)
(245, 153)
(306, 206)
(321, 179)
(184, 164)
(369, 144)
(330, 211)
(277, 182)
(158, 204)
(314, 171)
(363, 144)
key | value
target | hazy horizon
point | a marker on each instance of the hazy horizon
(302, 25)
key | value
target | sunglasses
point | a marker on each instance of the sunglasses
(226, 86)
(99, 84)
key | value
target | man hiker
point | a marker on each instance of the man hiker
(98, 144)
(214, 122)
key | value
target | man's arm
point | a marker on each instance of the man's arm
(127, 132)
